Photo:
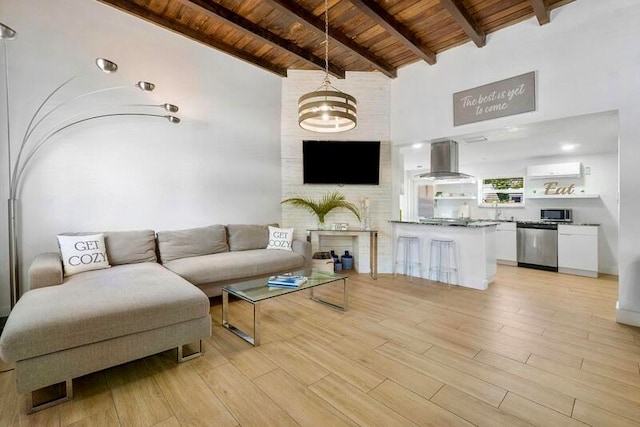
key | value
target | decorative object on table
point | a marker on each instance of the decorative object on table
(39, 131)
(464, 211)
(335, 257)
(286, 281)
(347, 261)
(340, 226)
(327, 109)
(322, 207)
(323, 262)
(365, 210)
(280, 238)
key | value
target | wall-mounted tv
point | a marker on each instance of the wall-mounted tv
(341, 162)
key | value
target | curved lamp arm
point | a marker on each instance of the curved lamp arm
(30, 129)
(16, 165)
(105, 65)
(19, 170)
(144, 86)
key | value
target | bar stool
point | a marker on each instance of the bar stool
(443, 260)
(410, 248)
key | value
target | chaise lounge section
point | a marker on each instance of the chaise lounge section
(67, 326)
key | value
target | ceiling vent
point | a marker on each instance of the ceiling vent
(474, 139)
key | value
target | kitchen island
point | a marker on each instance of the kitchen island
(475, 247)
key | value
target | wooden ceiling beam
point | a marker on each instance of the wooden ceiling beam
(398, 30)
(469, 25)
(184, 30)
(315, 23)
(541, 11)
(214, 10)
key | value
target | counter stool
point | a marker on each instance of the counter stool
(443, 261)
(410, 248)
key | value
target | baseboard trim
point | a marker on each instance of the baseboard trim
(627, 317)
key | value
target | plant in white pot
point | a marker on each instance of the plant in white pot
(322, 207)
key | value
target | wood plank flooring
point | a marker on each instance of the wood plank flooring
(536, 348)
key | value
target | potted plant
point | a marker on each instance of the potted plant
(322, 207)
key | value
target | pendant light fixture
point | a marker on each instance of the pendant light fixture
(327, 109)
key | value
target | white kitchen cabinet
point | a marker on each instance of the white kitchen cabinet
(578, 250)
(506, 245)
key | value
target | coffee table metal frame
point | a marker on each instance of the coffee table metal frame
(255, 291)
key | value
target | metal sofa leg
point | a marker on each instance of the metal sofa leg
(188, 352)
(49, 396)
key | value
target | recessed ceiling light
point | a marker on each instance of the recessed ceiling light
(513, 128)
(417, 145)
(569, 147)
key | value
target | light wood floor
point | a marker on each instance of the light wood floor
(537, 348)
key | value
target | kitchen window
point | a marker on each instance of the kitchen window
(505, 192)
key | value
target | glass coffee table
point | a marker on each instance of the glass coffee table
(255, 291)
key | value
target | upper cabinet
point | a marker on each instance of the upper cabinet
(555, 170)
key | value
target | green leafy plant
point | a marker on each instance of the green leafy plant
(322, 207)
(505, 183)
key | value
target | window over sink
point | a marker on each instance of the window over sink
(503, 192)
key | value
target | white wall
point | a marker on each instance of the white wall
(587, 60)
(372, 91)
(220, 165)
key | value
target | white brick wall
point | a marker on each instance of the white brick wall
(372, 91)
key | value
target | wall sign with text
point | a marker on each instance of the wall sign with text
(498, 99)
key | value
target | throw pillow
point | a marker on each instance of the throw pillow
(192, 242)
(83, 253)
(243, 237)
(280, 238)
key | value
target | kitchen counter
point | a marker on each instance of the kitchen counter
(475, 247)
(525, 221)
(451, 222)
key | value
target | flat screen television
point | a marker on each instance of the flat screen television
(341, 162)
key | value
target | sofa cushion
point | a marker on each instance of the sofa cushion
(192, 242)
(243, 237)
(234, 265)
(130, 247)
(280, 238)
(99, 305)
(127, 247)
(83, 253)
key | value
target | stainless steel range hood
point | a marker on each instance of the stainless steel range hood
(444, 162)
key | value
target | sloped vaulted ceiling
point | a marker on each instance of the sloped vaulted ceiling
(365, 35)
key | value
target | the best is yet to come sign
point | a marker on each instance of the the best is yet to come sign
(499, 99)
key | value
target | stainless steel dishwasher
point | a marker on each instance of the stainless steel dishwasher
(537, 245)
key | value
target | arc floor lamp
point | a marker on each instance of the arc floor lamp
(42, 128)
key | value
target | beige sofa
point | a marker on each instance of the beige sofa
(211, 257)
(66, 327)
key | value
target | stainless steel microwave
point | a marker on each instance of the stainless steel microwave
(557, 215)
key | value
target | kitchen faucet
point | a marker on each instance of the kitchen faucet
(498, 211)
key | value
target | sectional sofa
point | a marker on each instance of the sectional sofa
(152, 298)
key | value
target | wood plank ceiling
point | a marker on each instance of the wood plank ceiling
(365, 35)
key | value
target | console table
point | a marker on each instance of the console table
(366, 243)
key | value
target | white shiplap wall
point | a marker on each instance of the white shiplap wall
(372, 91)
